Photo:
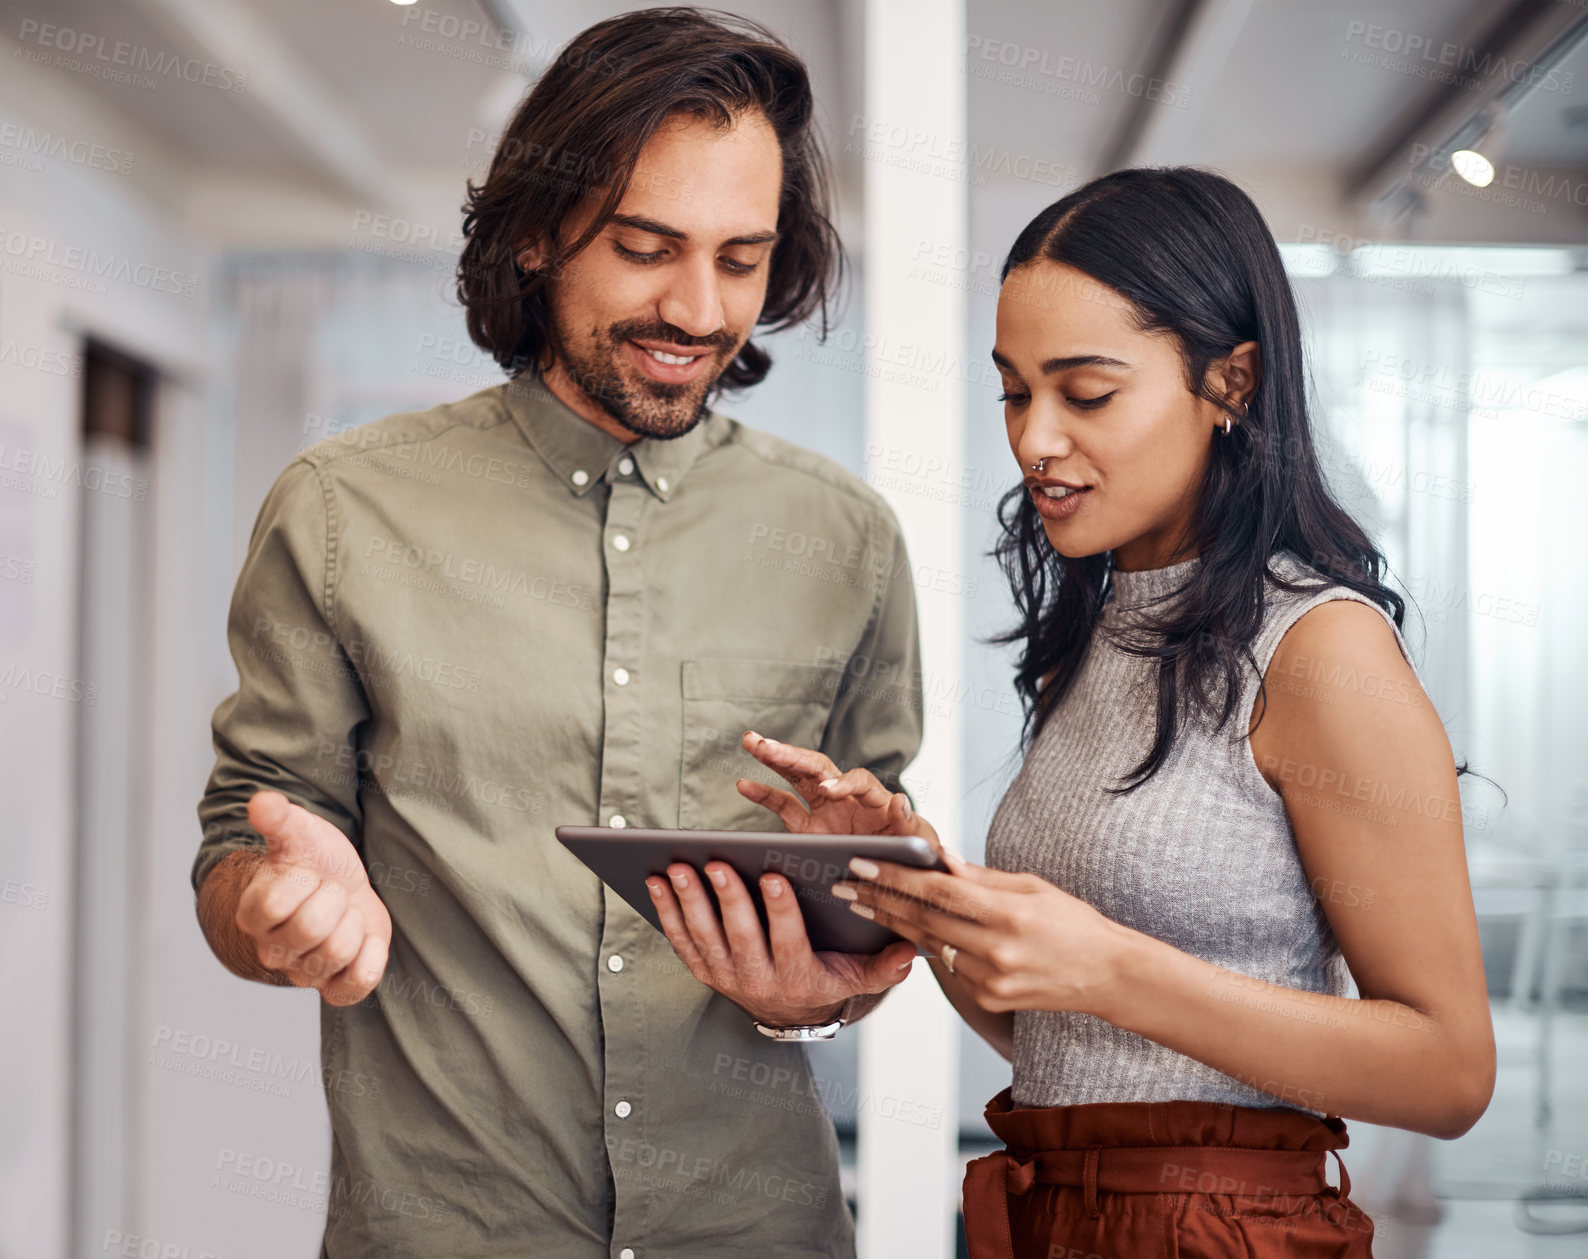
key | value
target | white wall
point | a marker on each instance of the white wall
(61, 220)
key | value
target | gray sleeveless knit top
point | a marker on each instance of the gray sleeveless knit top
(1202, 856)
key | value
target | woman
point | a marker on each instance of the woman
(1235, 797)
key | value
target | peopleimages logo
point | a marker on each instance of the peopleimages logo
(48, 473)
(1444, 61)
(1025, 66)
(36, 358)
(96, 52)
(23, 250)
(484, 44)
(31, 143)
(16, 678)
(381, 664)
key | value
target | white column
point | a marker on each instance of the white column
(913, 137)
(111, 848)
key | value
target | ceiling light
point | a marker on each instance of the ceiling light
(1472, 166)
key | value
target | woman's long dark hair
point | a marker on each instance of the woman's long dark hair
(1192, 254)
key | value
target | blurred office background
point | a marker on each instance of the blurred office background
(228, 228)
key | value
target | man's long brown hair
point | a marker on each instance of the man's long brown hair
(579, 133)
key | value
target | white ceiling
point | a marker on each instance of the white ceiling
(1291, 90)
(1550, 128)
(206, 124)
(414, 102)
(355, 103)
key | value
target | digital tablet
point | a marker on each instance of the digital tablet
(624, 859)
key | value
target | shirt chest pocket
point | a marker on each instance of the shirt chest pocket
(723, 699)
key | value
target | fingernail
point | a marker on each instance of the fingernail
(717, 877)
(845, 892)
(829, 783)
(906, 964)
(908, 811)
(656, 888)
(679, 880)
(772, 887)
(864, 869)
(865, 911)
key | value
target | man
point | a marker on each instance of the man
(563, 600)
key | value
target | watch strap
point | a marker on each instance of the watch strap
(810, 1031)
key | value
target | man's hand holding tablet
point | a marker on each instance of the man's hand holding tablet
(773, 973)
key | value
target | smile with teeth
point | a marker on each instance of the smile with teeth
(673, 359)
(1061, 491)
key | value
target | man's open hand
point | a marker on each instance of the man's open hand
(309, 908)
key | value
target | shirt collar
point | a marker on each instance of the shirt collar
(581, 454)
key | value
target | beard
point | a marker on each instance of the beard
(650, 408)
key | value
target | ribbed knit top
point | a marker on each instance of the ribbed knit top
(1202, 855)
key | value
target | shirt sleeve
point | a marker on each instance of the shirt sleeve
(877, 715)
(292, 725)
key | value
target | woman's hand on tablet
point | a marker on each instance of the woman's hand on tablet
(829, 800)
(773, 973)
(1019, 942)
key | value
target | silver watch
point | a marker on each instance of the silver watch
(808, 1031)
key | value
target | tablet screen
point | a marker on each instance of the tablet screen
(624, 859)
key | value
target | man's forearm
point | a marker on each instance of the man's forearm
(217, 914)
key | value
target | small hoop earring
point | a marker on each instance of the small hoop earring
(1226, 426)
(1246, 409)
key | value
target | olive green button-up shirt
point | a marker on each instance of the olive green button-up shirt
(460, 628)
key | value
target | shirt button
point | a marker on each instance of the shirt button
(625, 466)
(661, 484)
(626, 1253)
(580, 477)
(614, 963)
(622, 1110)
(620, 542)
(620, 676)
(617, 821)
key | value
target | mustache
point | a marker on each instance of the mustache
(660, 330)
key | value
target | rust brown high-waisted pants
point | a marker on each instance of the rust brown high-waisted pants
(1161, 1180)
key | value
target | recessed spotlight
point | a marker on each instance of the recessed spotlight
(1472, 166)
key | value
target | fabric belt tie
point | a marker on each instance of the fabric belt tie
(992, 1179)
